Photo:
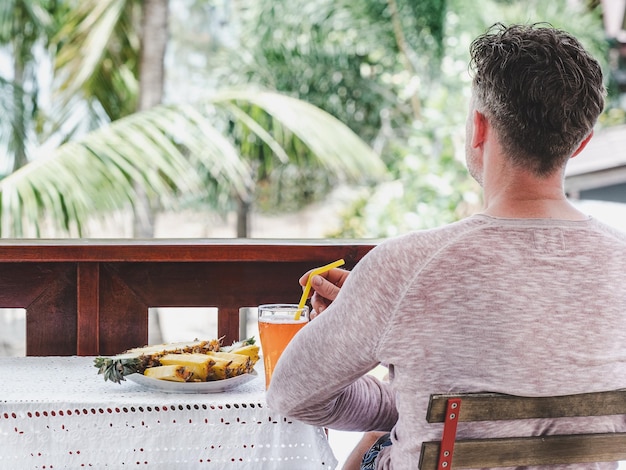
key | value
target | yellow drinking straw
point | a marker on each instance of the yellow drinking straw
(307, 288)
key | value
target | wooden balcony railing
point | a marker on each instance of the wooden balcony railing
(91, 297)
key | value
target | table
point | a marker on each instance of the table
(57, 412)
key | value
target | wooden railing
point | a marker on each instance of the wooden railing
(91, 297)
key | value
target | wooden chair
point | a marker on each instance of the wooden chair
(508, 452)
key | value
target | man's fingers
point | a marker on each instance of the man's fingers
(336, 276)
(324, 288)
(318, 305)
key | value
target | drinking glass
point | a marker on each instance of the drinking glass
(278, 324)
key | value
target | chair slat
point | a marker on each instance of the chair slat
(541, 450)
(494, 406)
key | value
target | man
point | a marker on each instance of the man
(528, 297)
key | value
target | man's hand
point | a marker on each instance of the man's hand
(325, 288)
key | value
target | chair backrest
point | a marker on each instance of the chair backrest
(528, 450)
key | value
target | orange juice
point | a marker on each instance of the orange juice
(275, 332)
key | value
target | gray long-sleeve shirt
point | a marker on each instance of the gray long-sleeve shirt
(521, 306)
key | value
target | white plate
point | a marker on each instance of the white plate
(214, 386)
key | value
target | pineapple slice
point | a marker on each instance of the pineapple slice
(228, 365)
(153, 352)
(197, 363)
(251, 350)
(173, 373)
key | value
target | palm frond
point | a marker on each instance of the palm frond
(167, 151)
(335, 146)
(97, 58)
(15, 14)
(159, 150)
(90, 29)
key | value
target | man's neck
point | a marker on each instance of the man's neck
(561, 210)
(524, 196)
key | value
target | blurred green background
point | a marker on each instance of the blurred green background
(248, 107)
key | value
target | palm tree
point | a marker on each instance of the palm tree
(162, 150)
(25, 27)
(165, 150)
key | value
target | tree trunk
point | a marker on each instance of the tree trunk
(154, 36)
(21, 51)
(243, 218)
(18, 141)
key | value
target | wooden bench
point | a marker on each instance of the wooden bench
(518, 451)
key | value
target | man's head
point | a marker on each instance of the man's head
(539, 89)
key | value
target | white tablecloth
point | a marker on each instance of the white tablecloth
(57, 412)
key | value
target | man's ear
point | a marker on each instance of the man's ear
(583, 144)
(479, 130)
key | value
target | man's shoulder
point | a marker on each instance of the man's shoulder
(442, 234)
(608, 230)
(423, 244)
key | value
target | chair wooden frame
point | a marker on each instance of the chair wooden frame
(450, 453)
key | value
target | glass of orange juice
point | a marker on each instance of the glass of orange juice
(278, 324)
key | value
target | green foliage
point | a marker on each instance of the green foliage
(25, 27)
(289, 187)
(613, 116)
(393, 71)
(99, 172)
(211, 150)
(341, 56)
(425, 24)
(173, 153)
(104, 35)
(295, 151)
(431, 185)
